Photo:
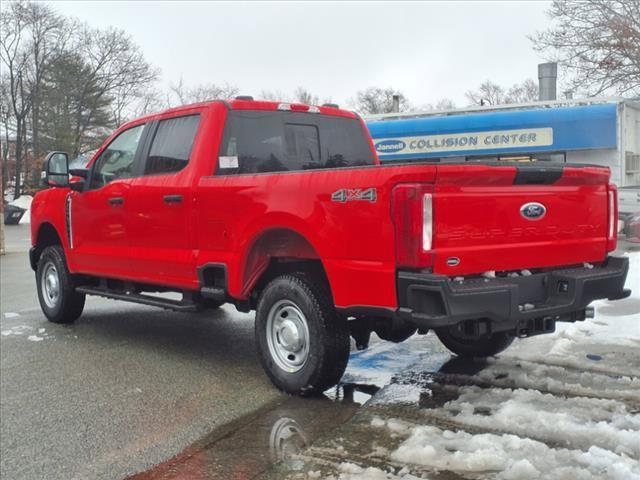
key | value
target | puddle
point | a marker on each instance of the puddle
(278, 434)
(251, 445)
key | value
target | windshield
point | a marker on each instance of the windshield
(268, 141)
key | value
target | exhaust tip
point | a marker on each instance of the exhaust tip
(589, 312)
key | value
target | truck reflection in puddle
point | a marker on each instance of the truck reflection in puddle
(249, 446)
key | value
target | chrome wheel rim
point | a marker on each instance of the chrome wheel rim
(288, 336)
(50, 284)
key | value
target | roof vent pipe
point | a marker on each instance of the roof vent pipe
(547, 79)
(395, 106)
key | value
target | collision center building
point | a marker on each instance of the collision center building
(597, 131)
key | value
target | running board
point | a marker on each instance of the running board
(177, 305)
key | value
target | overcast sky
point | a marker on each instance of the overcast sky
(428, 50)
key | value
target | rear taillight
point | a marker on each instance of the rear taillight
(612, 224)
(412, 216)
(298, 107)
(427, 220)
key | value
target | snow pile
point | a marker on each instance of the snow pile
(580, 422)
(558, 380)
(562, 406)
(350, 471)
(24, 202)
(510, 457)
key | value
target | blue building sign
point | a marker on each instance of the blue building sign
(546, 129)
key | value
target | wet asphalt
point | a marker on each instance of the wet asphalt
(124, 388)
(141, 393)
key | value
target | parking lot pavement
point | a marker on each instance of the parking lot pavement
(122, 389)
(133, 390)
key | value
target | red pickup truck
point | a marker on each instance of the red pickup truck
(285, 209)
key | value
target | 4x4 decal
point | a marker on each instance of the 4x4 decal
(351, 194)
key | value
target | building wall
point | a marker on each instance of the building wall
(604, 157)
(630, 143)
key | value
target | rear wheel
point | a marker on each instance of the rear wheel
(56, 292)
(302, 342)
(484, 346)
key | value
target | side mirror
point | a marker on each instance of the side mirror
(56, 170)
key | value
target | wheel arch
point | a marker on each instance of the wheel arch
(275, 251)
(47, 236)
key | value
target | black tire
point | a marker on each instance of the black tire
(68, 305)
(482, 347)
(328, 336)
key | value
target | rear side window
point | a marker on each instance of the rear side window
(267, 141)
(172, 145)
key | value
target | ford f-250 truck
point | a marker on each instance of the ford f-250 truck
(284, 209)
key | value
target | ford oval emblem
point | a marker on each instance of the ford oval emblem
(533, 211)
(390, 146)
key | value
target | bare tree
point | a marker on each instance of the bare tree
(596, 42)
(442, 104)
(445, 104)
(375, 100)
(524, 92)
(4, 135)
(180, 94)
(490, 93)
(47, 36)
(275, 96)
(112, 65)
(302, 95)
(15, 59)
(65, 84)
(150, 100)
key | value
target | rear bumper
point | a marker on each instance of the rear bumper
(432, 301)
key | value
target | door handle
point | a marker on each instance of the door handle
(116, 201)
(172, 198)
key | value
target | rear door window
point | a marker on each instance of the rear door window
(268, 141)
(171, 145)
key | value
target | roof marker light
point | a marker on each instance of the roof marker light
(298, 107)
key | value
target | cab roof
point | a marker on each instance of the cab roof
(242, 104)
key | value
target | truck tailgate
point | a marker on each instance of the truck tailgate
(500, 218)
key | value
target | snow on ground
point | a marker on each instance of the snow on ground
(16, 330)
(608, 424)
(561, 406)
(564, 405)
(587, 345)
(510, 457)
(24, 202)
(351, 471)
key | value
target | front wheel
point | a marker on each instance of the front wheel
(303, 344)
(57, 295)
(484, 346)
